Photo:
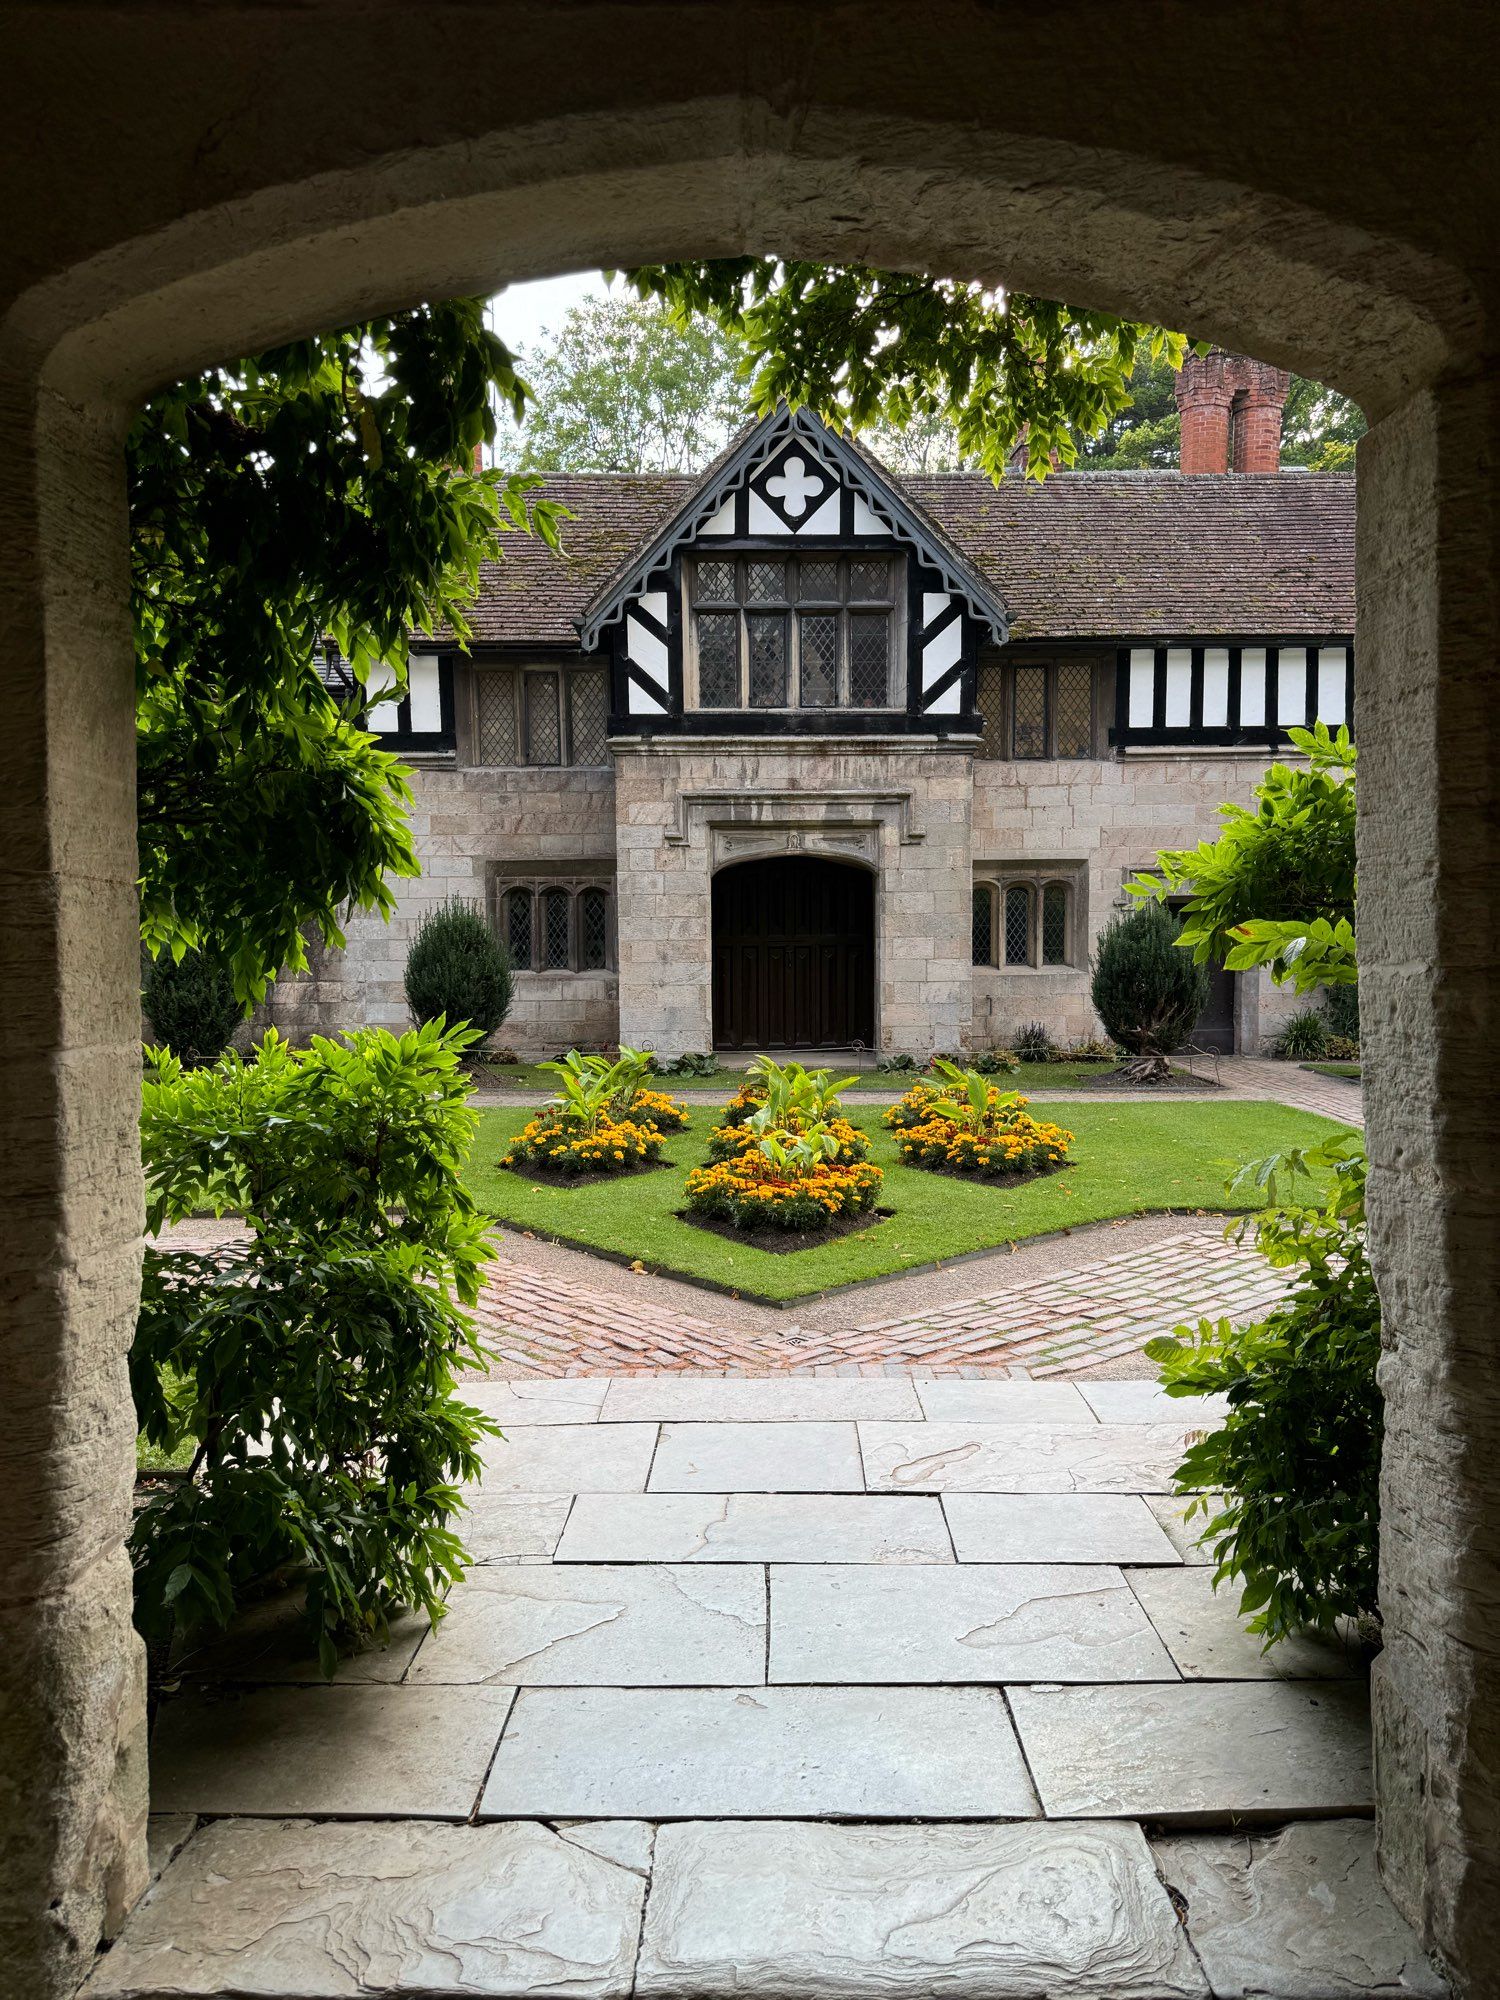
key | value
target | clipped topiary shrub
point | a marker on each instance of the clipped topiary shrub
(1146, 991)
(192, 1006)
(457, 970)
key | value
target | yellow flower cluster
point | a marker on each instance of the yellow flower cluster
(752, 1194)
(916, 1107)
(654, 1107)
(730, 1142)
(568, 1146)
(1014, 1143)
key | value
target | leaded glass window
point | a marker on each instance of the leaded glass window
(556, 930)
(984, 924)
(495, 718)
(543, 719)
(869, 659)
(837, 652)
(1018, 924)
(593, 930)
(718, 659)
(1073, 711)
(588, 707)
(1054, 924)
(1029, 721)
(518, 928)
(766, 634)
(819, 650)
(991, 704)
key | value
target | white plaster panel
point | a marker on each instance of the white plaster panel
(1142, 687)
(1179, 687)
(1253, 686)
(426, 700)
(1215, 687)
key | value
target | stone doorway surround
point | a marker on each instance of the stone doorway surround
(900, 806)
(591, 135)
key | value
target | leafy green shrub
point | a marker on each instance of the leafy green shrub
(692, 1062)
(994, 1062)
(1147, 993)
(457, 970)
(1341, 1010)
(1296, 1463)
(192, 1006)
(898, 1065)
(1304, 1036)
(1035, 1045)
(316, 1365)
(1091, 1049)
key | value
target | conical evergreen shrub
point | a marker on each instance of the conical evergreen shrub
(191, 1006)
(1147, 993)
(458, 969)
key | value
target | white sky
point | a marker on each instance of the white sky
(521, 314)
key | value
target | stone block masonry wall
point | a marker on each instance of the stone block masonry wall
(470, 826)
(901, 808)
(1110, 817)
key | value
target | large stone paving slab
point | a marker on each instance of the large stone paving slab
(1199, 1751)
(757, 1458)
(570, 1458)
(951, 1399)
(511, 1527)
(1171, 1511)
(995, 1622)
(1021, 1458)
(269, 1642)
(345, 1752)
(1056, 1528)
(1299, 1914)
(756, 1528)
(773, 1399)
(774, 1753)
(987, 1913)
(575, 1399)
(325, 1912)
(1205, 1634)
(657, 1625)
(1146, 1402)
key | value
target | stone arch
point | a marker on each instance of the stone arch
(256, 203)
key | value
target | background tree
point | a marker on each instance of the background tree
(192, 1006)
(623, 387)
(1147, 993)
(322, 490)
(1319, 429)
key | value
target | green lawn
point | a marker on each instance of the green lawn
(1031, 1076)
(1131, 1159)
(1349, 1071)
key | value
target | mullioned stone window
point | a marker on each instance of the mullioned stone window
(555, 926)
(544, 715)
(1025, 918)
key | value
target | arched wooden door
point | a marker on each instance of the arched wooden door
(794, 955)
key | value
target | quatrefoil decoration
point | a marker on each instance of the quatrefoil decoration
(794, 486)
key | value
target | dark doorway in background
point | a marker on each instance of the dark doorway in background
(794, 955)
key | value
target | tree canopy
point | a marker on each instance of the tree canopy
(325, 490)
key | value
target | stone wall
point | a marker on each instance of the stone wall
(898, 806)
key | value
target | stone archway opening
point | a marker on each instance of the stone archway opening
(794, 955)
(672, 133)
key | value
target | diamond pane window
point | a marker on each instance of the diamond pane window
(767, 640)
(518, 928)
(766, 583)
(819, 637)
(588, 701)
(991, 692)
(869, 660)
(496, 718)
(818, 582)
(593, 930)
(984, 926)
(869, 582)
(1073, 712)
(543, 720)
(716, 582)
(1054, 924)
(1029, 728)
(555, 930)
(718, 659)
(1017, 925)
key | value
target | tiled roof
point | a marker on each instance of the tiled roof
(1086, 555)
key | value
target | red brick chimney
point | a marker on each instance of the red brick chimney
(1231, 412)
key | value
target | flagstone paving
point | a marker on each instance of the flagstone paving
(900, 1707)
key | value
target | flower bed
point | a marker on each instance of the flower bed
(735, 1142)
(916, 1108)
(654, 1107)
(1008, 1144)
(557, 1147)
(753, 1195)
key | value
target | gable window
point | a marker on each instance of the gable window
(1024, 917)
(1052, 711)
(782, 632)
(540, 716)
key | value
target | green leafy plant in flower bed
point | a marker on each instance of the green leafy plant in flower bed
(969, 1127)
(786, 1098)
(792, 1164)
(604, 1119)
